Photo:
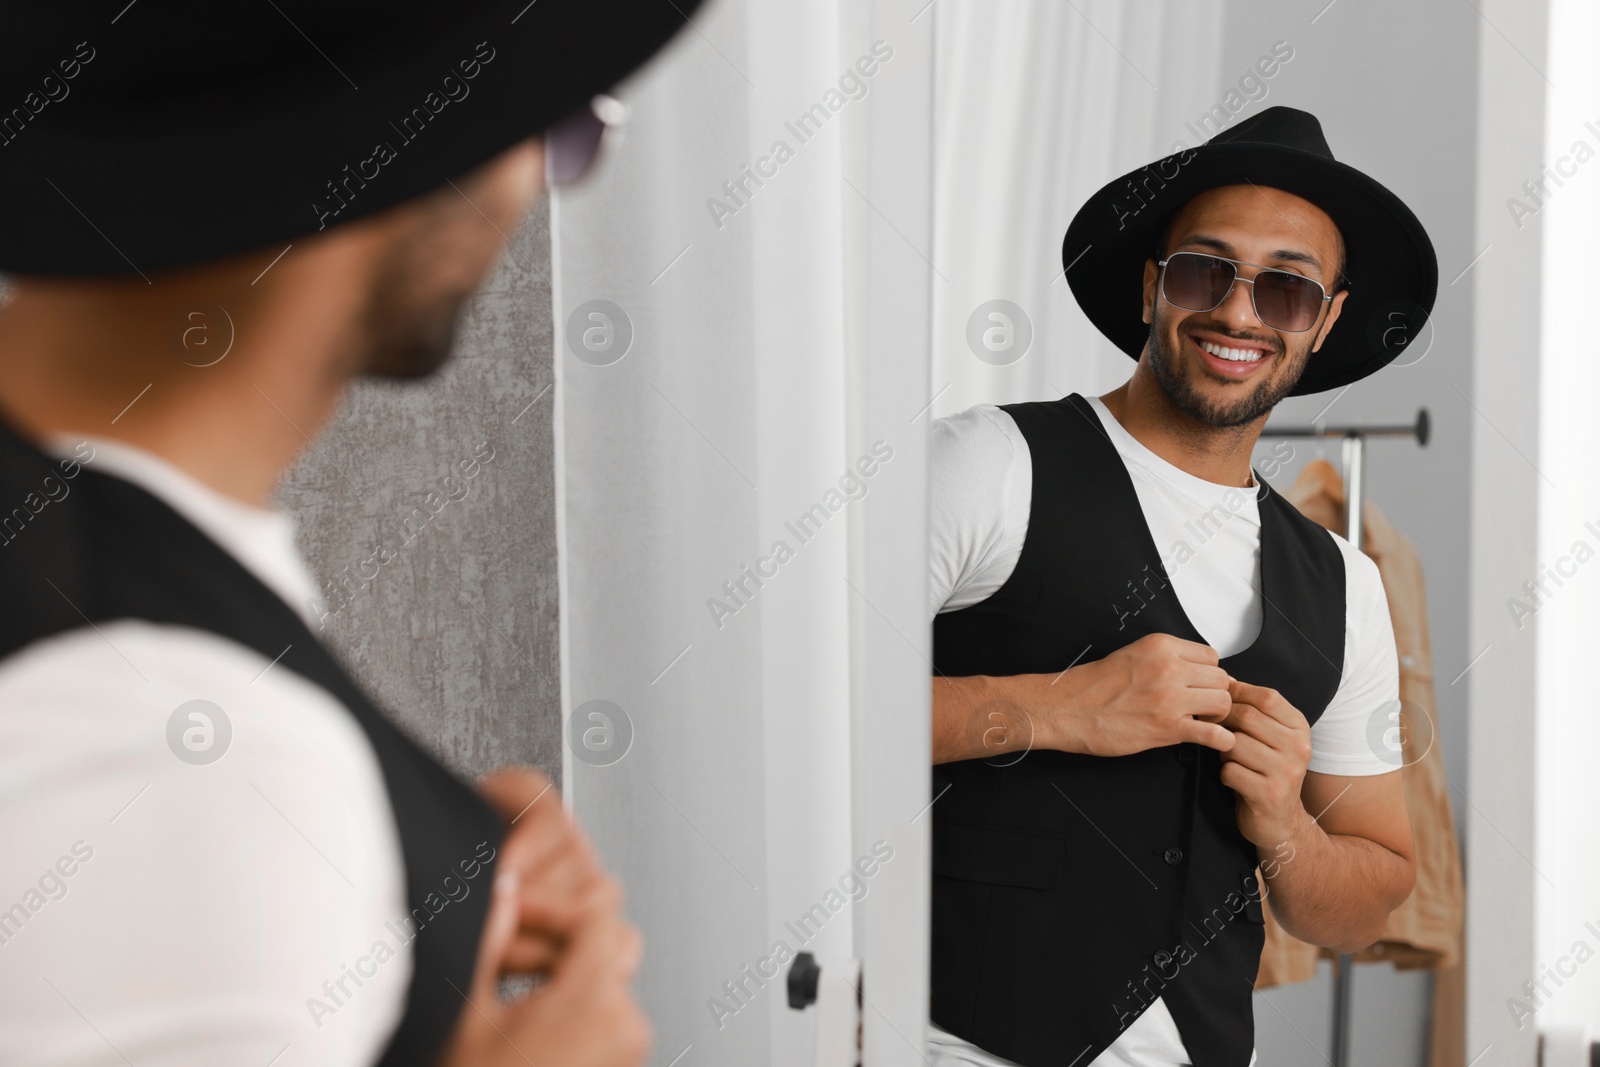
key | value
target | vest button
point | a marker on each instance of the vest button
(1163, 958)
(1185, 755)
(1173, 856)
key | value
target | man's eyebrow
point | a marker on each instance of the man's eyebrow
(1295, 255)
(1223, 248)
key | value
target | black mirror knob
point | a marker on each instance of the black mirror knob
(803, 976)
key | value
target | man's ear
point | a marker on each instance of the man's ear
(1151, 272)
(1333, 316)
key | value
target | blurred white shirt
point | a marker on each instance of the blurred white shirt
(154, 910)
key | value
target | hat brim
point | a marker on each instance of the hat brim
(1392, 271)
(140, 184)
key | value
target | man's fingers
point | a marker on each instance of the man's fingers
(1268, 701)
(542, 841)
(632, 953)
(597, 950)
(531, 953)
(1240, 716)
(1212, 705)
(1209, 734)
(559, 865)
(512, 790)
(1253, 753)
(1193, 651)
(547, 923)
(550, 856)
(1242, 780)
(556, 911)
(1207, 676)
(1251, 721)
(499, 929)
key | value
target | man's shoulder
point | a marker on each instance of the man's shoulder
(979, 422)
(983, 441)
(108, 691)
(1363, 581)
(174, 775)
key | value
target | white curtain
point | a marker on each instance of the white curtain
(741, 511)
(1039, 103)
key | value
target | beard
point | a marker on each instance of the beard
(1168, 364)
(409, 328)
(451, 241)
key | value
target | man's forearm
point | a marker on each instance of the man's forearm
(1334, 890)
(983, 716)
(1158, 690)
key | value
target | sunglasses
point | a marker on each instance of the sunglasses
(572, 145)
(1284, 301)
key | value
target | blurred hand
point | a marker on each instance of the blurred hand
(559, 877)
(584, 1015)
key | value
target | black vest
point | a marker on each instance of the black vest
(112, 551)
(1070, 891)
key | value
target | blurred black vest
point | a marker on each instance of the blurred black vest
(1071, 891)
(108, 550)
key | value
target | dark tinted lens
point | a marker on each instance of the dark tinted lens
(1287, 301)
(571, 145)
(1196, 282)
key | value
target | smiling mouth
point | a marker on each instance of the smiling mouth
(1230, 361)
(1233, 355)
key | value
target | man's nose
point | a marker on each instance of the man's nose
(1238, 309)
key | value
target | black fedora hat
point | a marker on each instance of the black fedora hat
(1391, 271)
(140, 135)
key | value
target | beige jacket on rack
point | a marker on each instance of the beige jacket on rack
(1425, 931)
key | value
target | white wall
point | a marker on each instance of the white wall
(1567, 617)
(1506, 488)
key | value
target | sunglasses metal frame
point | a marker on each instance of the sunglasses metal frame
(1251, 282)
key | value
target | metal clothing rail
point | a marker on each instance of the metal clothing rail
(1354, 455)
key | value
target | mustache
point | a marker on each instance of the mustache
(1274, 343)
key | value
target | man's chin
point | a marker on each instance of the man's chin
(1223, 403)
(1214, 397)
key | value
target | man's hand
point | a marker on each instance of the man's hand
(1160, 690)
(1267, 764)
(584, 1015)
(558, 874)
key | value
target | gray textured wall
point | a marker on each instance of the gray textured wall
(457, 631)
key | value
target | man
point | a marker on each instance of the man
(214, 848)
(1152, 674)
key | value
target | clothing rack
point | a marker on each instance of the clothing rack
(1354, 449)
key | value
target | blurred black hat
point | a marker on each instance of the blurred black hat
(158, 133)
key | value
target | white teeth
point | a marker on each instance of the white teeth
(1236, 355)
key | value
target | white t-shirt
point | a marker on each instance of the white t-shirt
(1209, 537)
(157, 911)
